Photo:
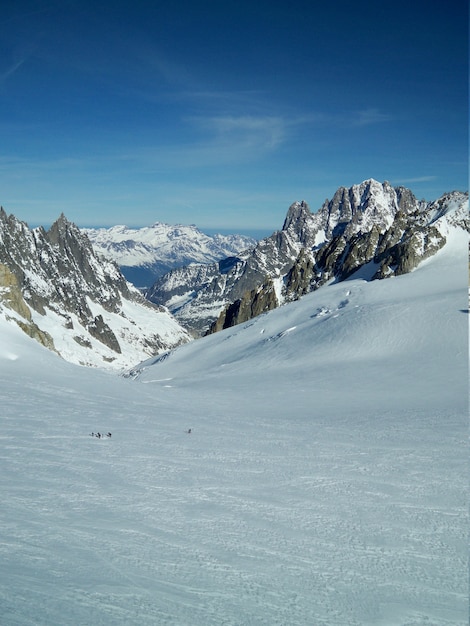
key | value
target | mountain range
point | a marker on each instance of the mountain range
(372, 227)
(145, 254)
(60, 289)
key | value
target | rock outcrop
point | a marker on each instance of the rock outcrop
(251, 304)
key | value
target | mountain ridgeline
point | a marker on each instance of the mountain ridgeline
(374, 228)
(58, 287)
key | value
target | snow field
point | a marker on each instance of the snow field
(247, 520)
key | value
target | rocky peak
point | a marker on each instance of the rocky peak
(297, 216)
(75, 259)
(300, 224)
(406, 200)
(356, 209)
(336, 212)
(67, 236)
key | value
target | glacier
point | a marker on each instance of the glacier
(324, 480)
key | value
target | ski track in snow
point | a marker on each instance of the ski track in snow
(309, 520)
(324, 481)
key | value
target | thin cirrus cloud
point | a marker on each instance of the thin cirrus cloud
(9, 71)
(211, 141)
(214, 140)
(417, 179)
(262, 132)
(368, 117)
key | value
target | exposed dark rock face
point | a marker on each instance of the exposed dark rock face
(405, 256)
(299, 279)
(57, 269)
(370, 223)
(101, 331)
(251, 304)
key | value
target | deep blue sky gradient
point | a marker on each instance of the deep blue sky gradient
(224, 113)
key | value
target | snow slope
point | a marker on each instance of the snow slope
(324, 481)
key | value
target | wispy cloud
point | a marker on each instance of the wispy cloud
(367, 117)
(260, 132)
(416, 179)
(208, 141)
(219, 140)
(5, 75)
(243, 136)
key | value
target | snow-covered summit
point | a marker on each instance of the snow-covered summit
(360, 207)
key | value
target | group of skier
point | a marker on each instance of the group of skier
(102, 435)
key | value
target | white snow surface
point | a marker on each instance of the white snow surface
(324, 481)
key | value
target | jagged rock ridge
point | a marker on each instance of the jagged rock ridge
(73, 301)
(384, 231)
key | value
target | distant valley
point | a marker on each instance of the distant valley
(145, 254)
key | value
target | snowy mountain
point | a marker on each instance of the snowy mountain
(60, 292)
(325, 480)
(145, 254)
(384, 230)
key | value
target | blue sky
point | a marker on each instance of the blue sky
(224, 113)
